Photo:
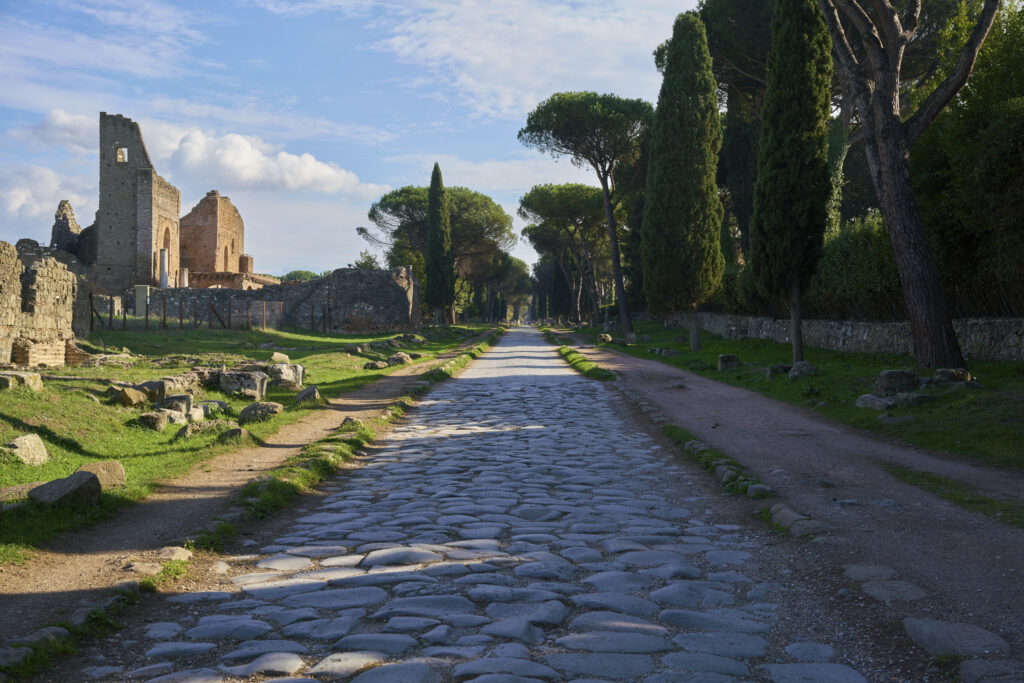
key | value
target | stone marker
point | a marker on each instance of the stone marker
(29, 449)
(155, 420)
(895, 381)
(286, 372)
(278, 357)
(109, 472)
(728, 361)
(80, 486)
(259, 412)
(9, 379)
(130, 397)
(248, 383)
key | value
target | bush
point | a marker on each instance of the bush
(856, 277)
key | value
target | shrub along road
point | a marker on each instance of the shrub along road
(519, 523)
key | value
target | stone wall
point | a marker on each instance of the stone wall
(212, 236)
(1000, 339)
(352, 299)
(37, 306)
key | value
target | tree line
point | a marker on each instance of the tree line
(834, 152)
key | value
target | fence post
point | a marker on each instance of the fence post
(163, 317)
(181, 311)
(325, 318)
(195, 311)
(92, 322)
(147, 314)
(312, 315)
(230, 306)
(263, 319)
(110, 317)
(124, 317)
(248, 314)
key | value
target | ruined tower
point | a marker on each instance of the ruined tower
(138, 212)
(212, 236)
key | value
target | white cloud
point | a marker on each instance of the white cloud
(76, 132)
(495, 175)
(246, 161)
(307, 7)
(33, 192)
(502, 58)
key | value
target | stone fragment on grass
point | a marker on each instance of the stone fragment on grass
(10, 379)
(9, 656)
(728, 361)
(400, 358)
(778, 369)
(179, 402)
(155, 420)
(278, 357)
(875, 402)
(29, 449)
(80, 486)
(110, 473)
(282, 373)
(129, 397)
(351, 423)
(205, 427)
(45, 634)
(252, 384)
(604, 339)
(891, 382)
(239, 434)
(197, 414)
(950, 375)
(802, 369)
(375, 365)
(174, 552)
(259, 412)
(173, 416)
(211, 408)
(310, 393)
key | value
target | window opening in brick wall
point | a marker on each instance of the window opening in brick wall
(122, 155)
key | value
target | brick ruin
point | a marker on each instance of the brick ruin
(37, 308)
(139, 236)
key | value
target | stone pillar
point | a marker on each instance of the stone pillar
(141, 297)
(163, 268)
(183, 278)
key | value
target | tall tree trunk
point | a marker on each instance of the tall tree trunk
(935, 342)
(694, 330)
(796, 319)
(620, 288)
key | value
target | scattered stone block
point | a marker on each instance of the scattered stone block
(154, 390)
(604, 339)
(778, 369)
(400, 358)
(9, 656)
(351, 423)
(807, 527)
(278, 357)
(253, 384)
(950, 375)
(802, 369)
(130, 397)
(891, 382)
(375, 365)
(211, 408)
(287, 372)
(173, 416)
(10, 379)
(758, 491)
(285, 384)
(80, 486)
(728, 361)
(785, 517)
(953, 638)
(310, 393)
(18, 492)
(239, 434)
(155, 420)
(29, 449)
(204, 427)
(179, 402)
(110, 473)
(172, 552)
(875, 402)
(196, 414)
(259, 412)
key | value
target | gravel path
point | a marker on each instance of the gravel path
(518, 526)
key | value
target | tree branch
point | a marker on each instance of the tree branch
(845, 55)
(910, 20)
(942, 95)
(890, 21)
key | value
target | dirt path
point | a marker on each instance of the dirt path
(970, 567)
(84, 566)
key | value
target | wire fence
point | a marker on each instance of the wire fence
(167, 312)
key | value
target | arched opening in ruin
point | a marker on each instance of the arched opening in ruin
(167, 240)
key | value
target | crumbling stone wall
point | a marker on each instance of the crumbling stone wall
(37, 303)
(1000, 339)
(353, 299)
(66, 233)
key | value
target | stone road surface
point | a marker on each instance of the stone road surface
(517, 527)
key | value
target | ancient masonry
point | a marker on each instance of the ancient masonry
(139, 236)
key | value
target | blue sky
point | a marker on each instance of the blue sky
(303, 111)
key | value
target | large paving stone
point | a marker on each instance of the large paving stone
(614, 641)
(616, 602)
(339, 598)
(953, 638)
(710, 621)
(391, 643)
(813, 673)
(400, 556)
(79, 487)
(270, 664)
(602, 665)
(693, 594)
(438, 606)
(614, 621)
(685, 661)
(504, 665)
(737, 645)
(401, 672)
(345, 664)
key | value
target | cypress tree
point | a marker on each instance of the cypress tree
(793, 187)
(439, 292)
(680, 249)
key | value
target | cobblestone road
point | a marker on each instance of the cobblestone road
(517, 527)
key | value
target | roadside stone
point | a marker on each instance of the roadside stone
(196, 414)
(809, 673)
(776, 370)
(603, 665)
(259, 412)
(950, 375)
(173, 416)
(110, 473)
(807, 527)
(802, 369)
(953, 638)
(310, 393)
(211, 408)
(504, 665)
(179, 402)
(399, 358)
(891, 382)
(29, 449)
(45, 634)
(375, 365)
(890, 419)
(278, 357)
(784, 516)
(11, 379)
(239, 434)
(875, 402)
(79, 487)
(728, 361)
(401, 672)
(154, 420)
(205, 427)
(9, 656)
(604, 339)
(291, 374)
(759, 491)
(253, 384)
(172, 552)
(910, 399)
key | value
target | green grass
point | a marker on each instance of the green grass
(577, 360)
(171, 571)
(79, 424)
(986, 423)
(961, 494)
(711, 460)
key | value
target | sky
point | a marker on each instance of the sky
(304, 112)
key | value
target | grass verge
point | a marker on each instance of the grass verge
(961, 494)
(984, 421)
(733, 476)
(577, 360)
(170, 571)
